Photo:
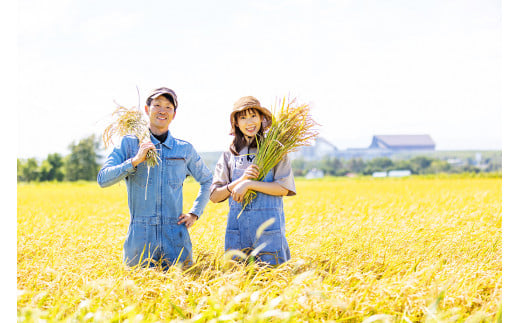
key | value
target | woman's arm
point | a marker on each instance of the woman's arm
(220, 194)
(270, 188)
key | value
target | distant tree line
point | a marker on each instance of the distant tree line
(81, 164)
(334, 166)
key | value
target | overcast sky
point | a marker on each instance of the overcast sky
(366, 67)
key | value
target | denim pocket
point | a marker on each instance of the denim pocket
(174, 184)
(176, 170)
(272, 251)
(232, 240)
(141, 242)
(272, 240)
(178, 243)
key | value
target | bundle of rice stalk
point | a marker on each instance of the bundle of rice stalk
(292, 127)
(130, 121)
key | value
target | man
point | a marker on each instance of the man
(158, 230)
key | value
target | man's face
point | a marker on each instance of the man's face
(161, 114)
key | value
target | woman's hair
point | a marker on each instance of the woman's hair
(239, 141)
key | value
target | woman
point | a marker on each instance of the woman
(235, 174)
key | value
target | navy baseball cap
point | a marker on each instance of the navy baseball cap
(168, 93)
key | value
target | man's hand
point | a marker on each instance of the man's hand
(141, 154)
(187, 219)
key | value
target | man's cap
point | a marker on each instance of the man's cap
(163, 91)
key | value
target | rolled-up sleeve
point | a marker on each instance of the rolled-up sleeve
(283, 175)
(117, 166)
(221, 175)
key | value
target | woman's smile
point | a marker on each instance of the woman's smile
(251, 129)
(249, 123)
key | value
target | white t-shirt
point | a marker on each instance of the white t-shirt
(282, 172)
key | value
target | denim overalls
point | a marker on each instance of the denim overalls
(153, 232)
(241, 232)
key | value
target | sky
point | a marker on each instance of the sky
(366, 67)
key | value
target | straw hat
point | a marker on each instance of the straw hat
(249, 102)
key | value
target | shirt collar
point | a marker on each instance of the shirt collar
(168, 142)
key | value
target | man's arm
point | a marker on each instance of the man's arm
(116, 167)
(203, 175)
(119, 164)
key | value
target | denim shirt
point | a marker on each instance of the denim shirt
(163, 185)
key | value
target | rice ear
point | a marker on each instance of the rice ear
(292, 127)
(130, 121)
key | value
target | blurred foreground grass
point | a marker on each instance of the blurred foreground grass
(385, 250)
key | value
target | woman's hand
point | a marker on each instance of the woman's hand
(188, 219)
(240, 190)
(251, 172)
(141, 154)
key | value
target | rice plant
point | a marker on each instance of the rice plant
(292, 127)
(363, 250)
(130, 121)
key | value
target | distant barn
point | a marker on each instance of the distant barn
(402, 142)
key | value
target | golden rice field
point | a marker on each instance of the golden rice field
(364, 250)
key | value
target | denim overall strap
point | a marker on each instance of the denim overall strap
(241, 232)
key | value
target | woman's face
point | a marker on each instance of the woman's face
(249, 122)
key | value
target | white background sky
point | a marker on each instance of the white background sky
(367, 67)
